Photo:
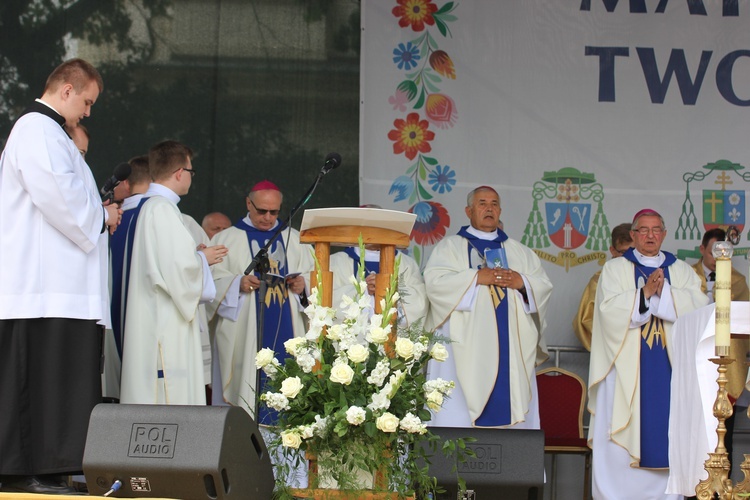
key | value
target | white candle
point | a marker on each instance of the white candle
(723, 298)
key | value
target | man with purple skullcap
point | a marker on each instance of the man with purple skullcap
(237, 304)
(638, 299)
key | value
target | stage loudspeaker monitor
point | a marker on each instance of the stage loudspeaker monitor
(508, 464)
(187, 452)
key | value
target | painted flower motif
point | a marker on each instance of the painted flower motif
(441, 110)
(411, 136)
(443, 64)
(442, 179)
(432, 221)
(402, 187)
(734, 199)
(398, 101)
(406, 56)
(416, 13)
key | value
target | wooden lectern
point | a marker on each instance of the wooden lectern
(324, 227)
(388, 229)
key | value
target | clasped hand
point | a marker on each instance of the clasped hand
(507, 278)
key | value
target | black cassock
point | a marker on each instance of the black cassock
(50, 380)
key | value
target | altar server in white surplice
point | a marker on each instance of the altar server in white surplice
(237, 305)
(639, 297)
(162, 356)
(490, 294)
(53, 287)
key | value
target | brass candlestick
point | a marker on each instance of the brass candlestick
(717, 464)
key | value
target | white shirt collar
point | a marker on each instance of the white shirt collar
(247, 221)
(655, 261)
(48, 105)
(155, 189)
(370, 255)
(481, 234)
(132, 201)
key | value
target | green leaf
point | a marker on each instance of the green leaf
(409, 88)
(430, 160)
(445, 8)
(420, 101)
(423, 192)
(448, 18)
(370, 429)
(422, 171)
(441, 26)
(431, 75)
(417, 255)
(413, 196)
(431, 86)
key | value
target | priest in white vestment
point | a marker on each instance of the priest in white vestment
(639, 297)
(489, 293)
(162, 355)
(236, 309)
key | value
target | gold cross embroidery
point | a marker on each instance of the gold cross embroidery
(653, 333)
(498, 294)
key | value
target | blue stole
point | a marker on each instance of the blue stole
(277, 318)
(497, 410)
(121, 253)
(655, 377)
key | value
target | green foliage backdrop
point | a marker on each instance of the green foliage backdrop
(261, 89)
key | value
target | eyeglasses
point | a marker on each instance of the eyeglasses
(264, 211)
(189, 170)
(643, 231)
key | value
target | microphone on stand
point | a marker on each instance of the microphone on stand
(122, 172)
(333, 160)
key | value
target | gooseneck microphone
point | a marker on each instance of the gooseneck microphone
(122, 172)
(333, 160)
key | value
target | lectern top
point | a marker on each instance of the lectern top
(394, 220)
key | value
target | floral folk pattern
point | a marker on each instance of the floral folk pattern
(427, 108)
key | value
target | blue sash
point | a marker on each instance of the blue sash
(655, 377)
(370, 266)
(121, 253)
(497, 410)
(277, 319)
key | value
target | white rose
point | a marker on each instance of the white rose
(291, 439)
(378, 335)
(355, 415)
(293, 344)
(335, 332)
(342, 374)
(290, 387)
(358, 353)
(404, 348)
(435, 400)
(387, 422)
(439, 352)
(264, 357)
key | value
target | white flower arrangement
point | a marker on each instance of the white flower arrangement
(353, 383)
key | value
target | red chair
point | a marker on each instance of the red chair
(562, 399)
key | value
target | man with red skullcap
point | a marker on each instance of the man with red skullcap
(238, 303)
(638, 299)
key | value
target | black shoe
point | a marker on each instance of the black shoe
(37, 484)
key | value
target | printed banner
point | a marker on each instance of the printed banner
(578, 112)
